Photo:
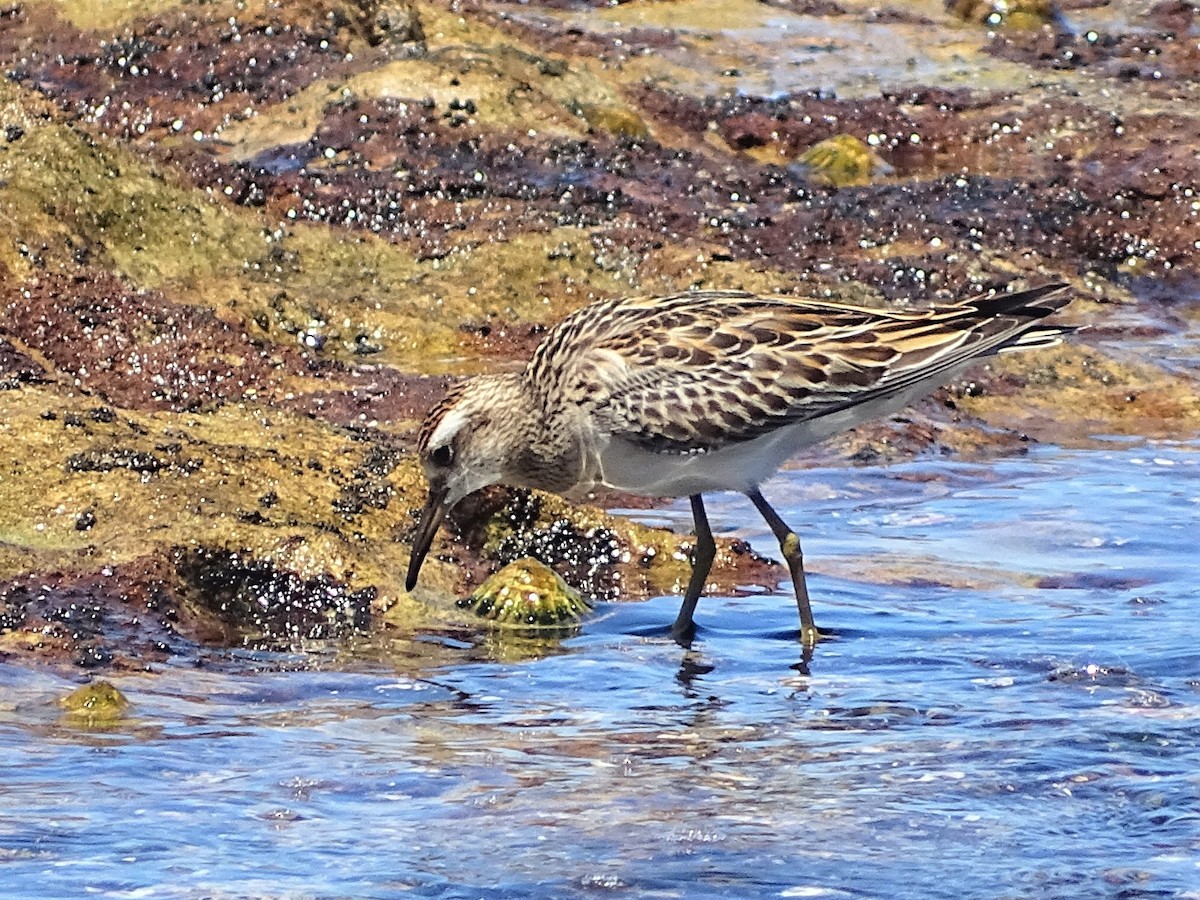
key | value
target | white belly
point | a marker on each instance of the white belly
(627, 467)
(737, 467)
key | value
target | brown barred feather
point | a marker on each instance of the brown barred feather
(645, 368)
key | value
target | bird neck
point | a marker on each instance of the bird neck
(543, 443)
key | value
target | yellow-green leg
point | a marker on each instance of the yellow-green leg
(789, 544)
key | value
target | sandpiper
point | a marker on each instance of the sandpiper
(704, 391)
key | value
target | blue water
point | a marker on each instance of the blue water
(1010, 709)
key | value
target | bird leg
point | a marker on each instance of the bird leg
(790, 545)
(702, 560)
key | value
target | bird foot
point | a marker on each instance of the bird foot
(683, 633)
(810, 635)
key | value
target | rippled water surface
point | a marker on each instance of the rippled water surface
(1010, 709)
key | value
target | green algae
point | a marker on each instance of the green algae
(65, 191)
(1104, 394)
(60, 183)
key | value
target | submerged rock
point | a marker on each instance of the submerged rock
(96, 705)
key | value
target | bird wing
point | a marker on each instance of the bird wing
(701, 370)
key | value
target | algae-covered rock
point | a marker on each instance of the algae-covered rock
(615, 120)
(527, 593)
(97, 704)
(842, 161)
(389, 22)
(1016, 15)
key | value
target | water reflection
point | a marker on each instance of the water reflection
(1009, 709)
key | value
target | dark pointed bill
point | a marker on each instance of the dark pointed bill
(431, 517)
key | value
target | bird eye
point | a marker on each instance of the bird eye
(442, 456)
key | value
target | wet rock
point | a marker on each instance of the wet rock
(1107, 396)
(527, 594)
(176, 67)
(390, 22)
(139, 349)
(604, 558)
(369, 487)
(1159, 61)
(923, 431)
(1174, 17)
(247, 249)
(97, 704)
(17, 368)
(1015, 14)
(115, 458)
(1095, 674)
(370, 394)
(258, 604)
(588, 556)
(120, 617)
(1091, 581)
(841, 161)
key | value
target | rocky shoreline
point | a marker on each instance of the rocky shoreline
(247, 243)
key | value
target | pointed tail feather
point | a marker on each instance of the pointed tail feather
(1037, 338)
(1003, 323)
(1035, 303)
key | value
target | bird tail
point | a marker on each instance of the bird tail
(1033, 304)
(1037, 338)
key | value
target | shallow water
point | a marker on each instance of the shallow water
(771, 50)
(1011, 709)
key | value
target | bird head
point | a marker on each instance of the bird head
(463, 447)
